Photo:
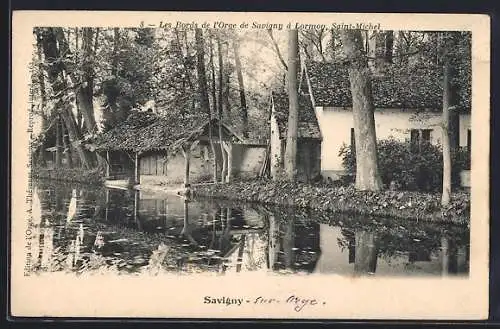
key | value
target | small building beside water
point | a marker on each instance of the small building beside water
(163, 149)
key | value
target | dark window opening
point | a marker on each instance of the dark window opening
(419, 137)
(426, 135)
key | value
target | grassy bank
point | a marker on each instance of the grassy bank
(74, 175)
(397, 204)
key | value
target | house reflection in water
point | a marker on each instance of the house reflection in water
(235, 238)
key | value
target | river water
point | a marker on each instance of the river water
(83, 229)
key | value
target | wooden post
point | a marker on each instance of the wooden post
(137, 173)
(108, 169)
(136, 210)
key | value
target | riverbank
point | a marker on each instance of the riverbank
(72, 175)
(395, 204)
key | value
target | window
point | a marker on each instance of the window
(426, 135)
(418, 137)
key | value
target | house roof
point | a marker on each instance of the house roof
(400, 87)
(308, 126)
(144, 131)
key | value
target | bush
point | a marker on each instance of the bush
(89, 176)
(409, 169)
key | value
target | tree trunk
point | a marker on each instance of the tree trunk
(43, 97)
(221, 76)
(67, 147)
(186, 152)
(277, 49)
(367, 173)
(227, 80)
(446, 195)
(116, 44)
(401, 48)
(74, 137)
(288, 239)
(200, 69)
(376, 52)
(58, 84)
(54, 69)
(219, 109)
(243, 101)
(187, 72)
(108, 164)
(84, 91)
(203, 91)
(389, 43)
(213, 90)
(216, 105)
(291, 137)
(58, 143)
(454, 118)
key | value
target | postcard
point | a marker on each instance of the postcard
(238, 165)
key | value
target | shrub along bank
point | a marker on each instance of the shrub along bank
(345, 199)
(412, 167)
(79, 175)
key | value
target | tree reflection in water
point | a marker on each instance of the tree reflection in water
(366, 253)
(135, 232)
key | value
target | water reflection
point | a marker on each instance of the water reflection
(81, 229)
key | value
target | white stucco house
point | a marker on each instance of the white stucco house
(404, 109)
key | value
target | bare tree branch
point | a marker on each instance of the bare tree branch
(277, 49)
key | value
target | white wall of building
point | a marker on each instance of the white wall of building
(336, 123)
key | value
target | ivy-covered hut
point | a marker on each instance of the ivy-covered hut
(308, 137)
(154, 149)
(407, 101)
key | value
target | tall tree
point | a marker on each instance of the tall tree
(58, 143)
(43, 95)
(203, 90)
(389, 46)
(277, 48)
(367, 173)
(54, 67)
(380, 50)
(312, 44)
(239, 73)
(450, 120)
(446, 195)
(220, 106)
(293, 111)
(84, 82)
